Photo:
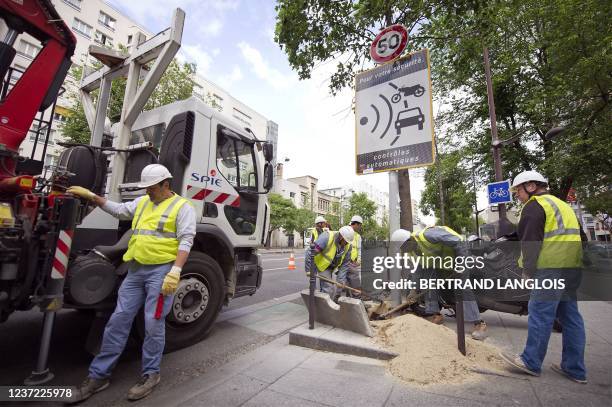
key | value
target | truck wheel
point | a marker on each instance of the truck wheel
(196, 304)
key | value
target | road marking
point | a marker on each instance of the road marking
(278, 268)
(283, 259)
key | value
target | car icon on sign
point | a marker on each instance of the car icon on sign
(409, 117)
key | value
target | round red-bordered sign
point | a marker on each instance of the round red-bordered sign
(389, 43)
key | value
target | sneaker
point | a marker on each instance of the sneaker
(144, 387)
(517, 362)
(557, 368)
(435, 319)
(480, 331)
(88, 388)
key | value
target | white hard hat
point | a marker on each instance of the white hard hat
(320, 219)
(347, 233)
(527, 176)
(357, 219)
(153, 174)
(400, 236)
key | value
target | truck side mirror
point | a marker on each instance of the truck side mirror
(268, 176)
(268, 151)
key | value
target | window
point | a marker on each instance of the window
(82, 27)
(58, 117)
(236, 163)
(50, 159)
(41, 134)
(291, 195)
(74, 3)
(16, 73)
(28, 49)
(103, 39)
(107, 20)
(129, 41)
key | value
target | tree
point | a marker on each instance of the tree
(302, 219)
(550, 63)
(550, 66)
(175, 84)
(282, 212)
(458, 197)
(360, 204)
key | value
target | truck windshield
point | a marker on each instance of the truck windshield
(236, 162)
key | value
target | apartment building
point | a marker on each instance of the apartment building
(93, 22)
(244, 115)
(97, 22)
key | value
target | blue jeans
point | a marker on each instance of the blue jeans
(142, 285)
(544, 305)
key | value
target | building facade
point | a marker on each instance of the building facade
(93, 22)
(217, 97)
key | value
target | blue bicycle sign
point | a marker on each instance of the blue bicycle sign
(499, 192)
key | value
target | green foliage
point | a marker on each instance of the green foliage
(458, 196)
(360, 204)
(282, 211)
(284, 215)
(550, 66)
(175, 84)
(550, 63)
(302, 219)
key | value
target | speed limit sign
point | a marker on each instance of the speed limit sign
(389, 43)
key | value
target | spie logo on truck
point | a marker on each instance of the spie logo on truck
(207, 178)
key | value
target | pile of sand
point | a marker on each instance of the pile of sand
(428, 353)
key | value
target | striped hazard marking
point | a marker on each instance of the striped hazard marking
(209, 195)
(62, 253)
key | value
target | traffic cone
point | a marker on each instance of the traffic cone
(291, 265)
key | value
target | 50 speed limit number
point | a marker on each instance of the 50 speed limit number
(389, 43)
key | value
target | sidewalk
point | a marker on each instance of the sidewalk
(279, 374)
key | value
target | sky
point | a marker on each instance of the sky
(232, 43)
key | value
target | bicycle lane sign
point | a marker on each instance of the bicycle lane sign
(499, 192)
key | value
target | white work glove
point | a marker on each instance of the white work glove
(81, 192)
(171, 281)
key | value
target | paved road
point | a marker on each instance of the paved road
(69, 361)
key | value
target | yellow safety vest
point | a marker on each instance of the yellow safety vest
(562, 246)
(315, 234)
(356, 249)
(434, 249)
(154, 239)
(324, 259)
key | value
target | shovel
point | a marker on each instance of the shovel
(412, 299)
(340, 285)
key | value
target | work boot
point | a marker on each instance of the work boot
(144, 387)
(517, 362)
(435, 319)
(557, 368)
(88, 388)
(480, 331)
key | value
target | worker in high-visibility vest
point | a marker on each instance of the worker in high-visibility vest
(320, 226)
(551, 249)
(352, 276)
(163, 229)
(435, 243)
(330, 254)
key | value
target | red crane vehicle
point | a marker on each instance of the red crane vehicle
(56, 251)
(37, 220)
